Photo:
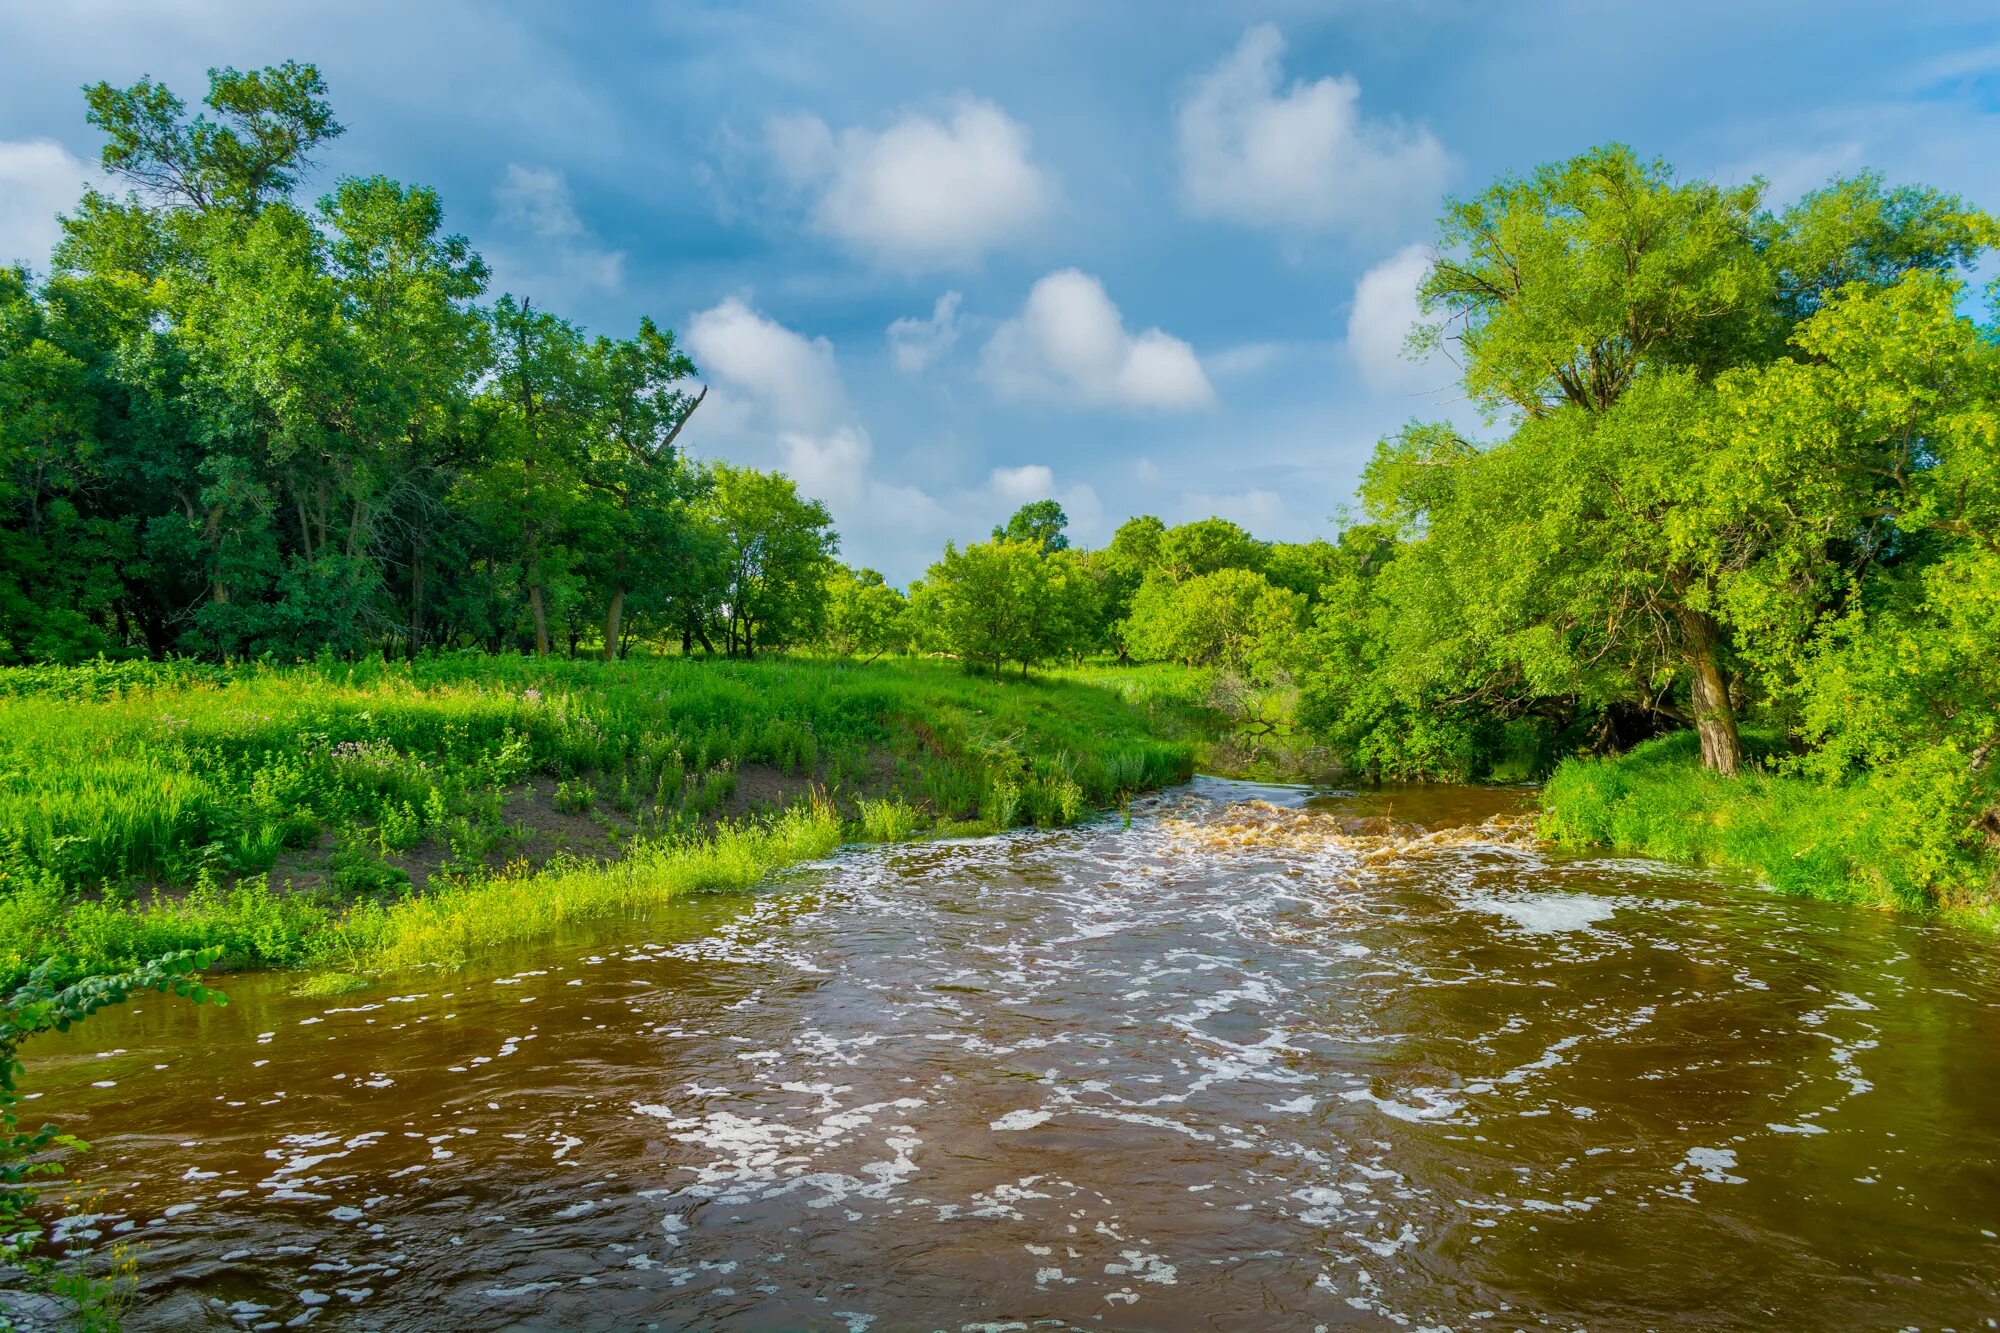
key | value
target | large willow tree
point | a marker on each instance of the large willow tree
(1579, 568)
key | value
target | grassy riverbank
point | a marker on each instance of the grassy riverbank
(1852, 843)
(370, 814)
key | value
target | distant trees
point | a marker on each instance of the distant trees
(235, 423)
(865, 617)
(1007, 601)
(1232, 618)
(776, 549)
(1039, 521)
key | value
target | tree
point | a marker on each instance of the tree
(776, 548)
(266, 125)
(1039, 521)
(1233, 619)
(640, 409)
(1852, 522)
(1002, 601)
(1598, 301)
(865, 617)
(1561, 288)
(1204, 547)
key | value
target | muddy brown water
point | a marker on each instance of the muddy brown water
(1256, 1061)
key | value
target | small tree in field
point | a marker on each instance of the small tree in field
(865, 617)
(1007, 601)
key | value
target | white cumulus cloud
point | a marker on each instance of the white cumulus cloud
(916, 343)
(536, 204)
(778, 400)
(39, 178)
(922, 194)
(1385, 309)
(1069, 344)
(791, 377)
(1253, 150)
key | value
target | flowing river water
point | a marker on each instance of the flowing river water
(1257, 1060)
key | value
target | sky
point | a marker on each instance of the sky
(938, 260)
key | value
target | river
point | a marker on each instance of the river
(1252, 1060)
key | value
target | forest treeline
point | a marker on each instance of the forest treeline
(235, 423)
(1736, 473)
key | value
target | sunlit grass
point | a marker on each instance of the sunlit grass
(144, 805)
(1800, 836)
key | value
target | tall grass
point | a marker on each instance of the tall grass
(1837, 842)
(143, 805)
(454, 925)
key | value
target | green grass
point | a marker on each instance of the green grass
(1844, 843)
(1239, 732)
(145, 804)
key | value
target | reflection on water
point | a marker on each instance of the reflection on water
(1252, 1062)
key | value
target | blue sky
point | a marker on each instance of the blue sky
(937, 260)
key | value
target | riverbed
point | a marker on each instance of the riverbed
(1253, 1058)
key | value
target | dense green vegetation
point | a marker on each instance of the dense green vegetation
(1846, 842)
(152, 807)
(236, 423)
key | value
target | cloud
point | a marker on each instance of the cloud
(916, 343)
(536, 203)
(1069, 344)
(1385, 309)
(39, 178)
(1012, 487)
(922, 194)
(791, 377)
(1258, 511)
(1299, 157)
(778, 400)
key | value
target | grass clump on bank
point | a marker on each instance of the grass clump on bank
(1849, 842)
(336, 813)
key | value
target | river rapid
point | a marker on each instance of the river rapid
(1258, 1060)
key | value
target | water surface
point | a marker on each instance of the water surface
(1256, 1061)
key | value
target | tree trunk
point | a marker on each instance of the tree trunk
(416, 639)
(611, 619)
(1714, 719)
(541, 619)
(616, 612)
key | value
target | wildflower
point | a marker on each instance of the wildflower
(531, 695)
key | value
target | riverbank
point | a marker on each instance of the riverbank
(372, 814)
(1849, 843)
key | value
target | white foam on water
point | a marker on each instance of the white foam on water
(1025, 1119)
(1545, 913)
(1714, 1164)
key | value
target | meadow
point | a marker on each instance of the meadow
(366, 815)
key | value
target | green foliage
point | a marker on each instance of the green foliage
(1848, 842)
(890, 820)
(1042, 522)
(1564, 286)
(1233, 619)
(776, 550)
(148, 805)
(235, 423)
(865, 617)
(1008, 601)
